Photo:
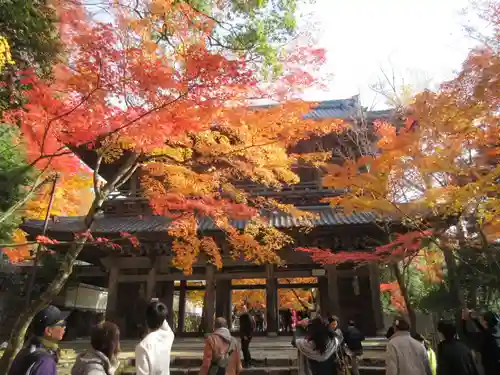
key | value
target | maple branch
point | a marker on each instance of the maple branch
(22, 201)
(248, 148)
(71, 110)
(147, 113)
(95, 175)
(122, 171)
(127, 176)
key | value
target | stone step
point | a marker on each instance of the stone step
(364, 370)
(190, 362)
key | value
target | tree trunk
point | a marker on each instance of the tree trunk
(18, 333)
(404, 292)
(454, 285)
(16, 339)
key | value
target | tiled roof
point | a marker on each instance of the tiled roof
(326, 216)
(343, 109)
(339, 109)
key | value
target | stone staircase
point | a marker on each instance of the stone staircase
(272, 357)
(270, 366)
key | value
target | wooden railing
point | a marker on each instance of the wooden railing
(313, 187)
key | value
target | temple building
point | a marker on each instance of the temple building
(132, 278)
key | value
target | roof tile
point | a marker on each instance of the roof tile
(326, 216)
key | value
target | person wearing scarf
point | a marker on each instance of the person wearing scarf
(317, 350)
(41, 352)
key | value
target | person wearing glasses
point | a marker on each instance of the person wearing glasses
(41, 352)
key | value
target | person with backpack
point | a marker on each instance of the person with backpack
(318, 351)
(221, 355)
(41, 352)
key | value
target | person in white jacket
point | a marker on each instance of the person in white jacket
(405, 355)
(152, 355)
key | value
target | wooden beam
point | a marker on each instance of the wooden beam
(378, 314)
(112, 304)
(169, 301)
(209, 299)
(151, 283)
(165, 261)
(271, 301)
(182, 307)
(333, 289)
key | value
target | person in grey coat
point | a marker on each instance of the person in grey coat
(102, 359)
(405, 355)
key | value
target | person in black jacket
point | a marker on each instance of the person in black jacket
(453, 356)
(489, 339)
(354, 339)
(247, 326)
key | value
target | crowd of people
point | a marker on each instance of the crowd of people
(323, 347)
(478, 354)
(40, 353)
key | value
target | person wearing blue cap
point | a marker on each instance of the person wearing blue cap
(41, 352)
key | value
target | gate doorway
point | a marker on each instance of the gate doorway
(249, 295)
(296, 294)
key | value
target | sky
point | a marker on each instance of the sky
(422, 41)
(418, 39)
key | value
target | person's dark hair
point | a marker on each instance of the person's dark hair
(156, 313)
(390, 332)
(318, 333)
(351, 323)
(333, 318)
(105, 337)
(220, 323)
(417, 336)
(491, 319)
(401, 324)
(447, 329)
(421, 339)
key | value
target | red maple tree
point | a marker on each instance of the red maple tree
(175, 108)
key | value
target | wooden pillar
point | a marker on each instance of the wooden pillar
(182, 306)
(378, 314)
(209, 299)
(223, 299)
(112, 304)
(271, 301)
(151, 284)
(168, 296)
(324, 304)
(333, 289)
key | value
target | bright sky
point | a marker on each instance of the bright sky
(417, 38)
